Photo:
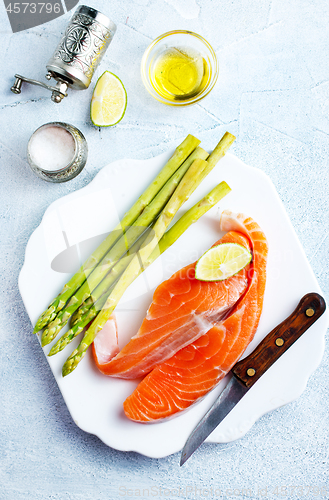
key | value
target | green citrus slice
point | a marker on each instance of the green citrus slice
(109, 101)
(221, 262)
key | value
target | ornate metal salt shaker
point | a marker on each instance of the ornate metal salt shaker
(57, 152)
(77, 55)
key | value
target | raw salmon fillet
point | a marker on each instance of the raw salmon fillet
(196, 369)
(105, 345)
(183, 309)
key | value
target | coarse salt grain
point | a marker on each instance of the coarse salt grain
(52, 148)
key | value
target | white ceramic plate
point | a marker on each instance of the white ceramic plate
(94, 400)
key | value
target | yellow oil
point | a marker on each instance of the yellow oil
(179, 73)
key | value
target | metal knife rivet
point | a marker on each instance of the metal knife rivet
(251, 372)
(279, 342)
(309, 312)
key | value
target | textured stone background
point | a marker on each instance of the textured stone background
(273, 93)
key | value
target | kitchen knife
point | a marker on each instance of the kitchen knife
(247, 371)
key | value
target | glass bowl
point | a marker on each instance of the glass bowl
(187, 45)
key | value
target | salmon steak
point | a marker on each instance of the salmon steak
(183, 310)
(189, 374)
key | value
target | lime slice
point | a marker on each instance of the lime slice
(222, 262)
(109, 101)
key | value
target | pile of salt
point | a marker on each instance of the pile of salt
(52, 148)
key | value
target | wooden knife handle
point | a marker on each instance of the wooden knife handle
(251, 368)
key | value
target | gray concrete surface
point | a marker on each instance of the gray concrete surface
(273, 93)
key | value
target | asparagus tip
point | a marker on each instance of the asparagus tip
(67, 367)
(74, 359)
(46, 338)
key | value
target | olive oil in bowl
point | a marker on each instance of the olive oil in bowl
(179, 73)
(179, 68)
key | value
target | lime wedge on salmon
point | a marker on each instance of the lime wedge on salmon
(109, 101)
(221, 262)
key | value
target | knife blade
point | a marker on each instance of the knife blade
(247, 371)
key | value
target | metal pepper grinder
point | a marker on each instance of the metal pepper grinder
(77, 55)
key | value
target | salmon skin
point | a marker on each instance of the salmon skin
(193, 371)
(183, 309)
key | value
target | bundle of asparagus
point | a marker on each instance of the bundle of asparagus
(94, 291)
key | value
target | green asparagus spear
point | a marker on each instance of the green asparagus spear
(134, 231)
(179, 156)
(98, 298)
(172, 234)
(81, 311)
(76, 329)
(120, 247)
(191, 216)
(109, 279)
(220, 150)
(181, 194)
